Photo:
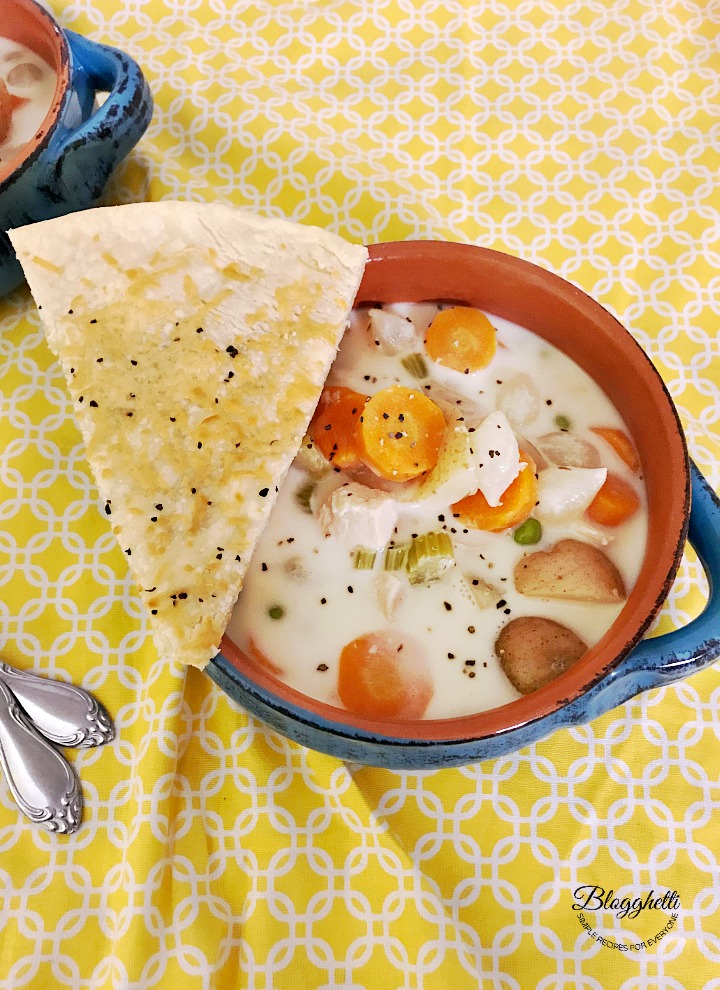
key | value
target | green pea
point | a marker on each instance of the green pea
(528, 533)
(562, 422)
(276, 612)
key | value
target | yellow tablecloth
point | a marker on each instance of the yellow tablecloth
(583, 136)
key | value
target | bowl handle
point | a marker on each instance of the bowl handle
(677, 654)
(87, 155)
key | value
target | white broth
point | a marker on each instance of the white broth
(27, 87)
(304, 599)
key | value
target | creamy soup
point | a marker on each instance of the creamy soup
(27, 87)
(395, 563)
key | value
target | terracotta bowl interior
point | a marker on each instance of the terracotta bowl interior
(566, 317)
(28, 24)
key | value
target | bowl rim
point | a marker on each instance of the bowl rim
(659, 568)
(14, 167)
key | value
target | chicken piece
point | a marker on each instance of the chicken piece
(497, 457)
(391, 591)
(392, 333)
(565, 493)
(357, 516)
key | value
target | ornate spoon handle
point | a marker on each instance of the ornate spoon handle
(42, 782)
(65, 713)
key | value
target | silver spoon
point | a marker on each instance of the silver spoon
(65, 713)
(42, 782)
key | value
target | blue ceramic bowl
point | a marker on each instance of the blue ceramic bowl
(622, 664)
(66, 165)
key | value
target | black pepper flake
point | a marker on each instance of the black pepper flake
(263, 492)
(448, 606)
(451, 656)
(469, 663)
(199, 330)
(128, 414)
(351, 590)
(501, 604)
(133, 361)
(69, 312)
(172, 419)
(199, 444)
(232, 351)
(93, 403)
(98, 360)
(218, 556)
(153, 611)
(237, 556)
(153, 518)
(107, 508)
(159, 506)
(507, 611)
(93, 321)
(182, 594)
(81, 398)
(128, 551)
(263, 566)
(322, 667)
(471, 629)
(323, 601)
(193, 491)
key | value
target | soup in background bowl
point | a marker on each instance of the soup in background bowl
(520, 298)
(57, 148)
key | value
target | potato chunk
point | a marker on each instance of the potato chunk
(534, 651)
(571, 570)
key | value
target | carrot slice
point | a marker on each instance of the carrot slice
(518, 501)
(400, 433)
(385, 675)
(620, 443)
(9, 102)
(615, 503)
(334, 425)
(461, 338)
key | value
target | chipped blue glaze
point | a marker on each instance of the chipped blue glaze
(651, 664)
(71, 163)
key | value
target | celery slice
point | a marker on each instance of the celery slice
(364, 560)
(303, 496)
(415, 365)
(396, 557)
(429, 556)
